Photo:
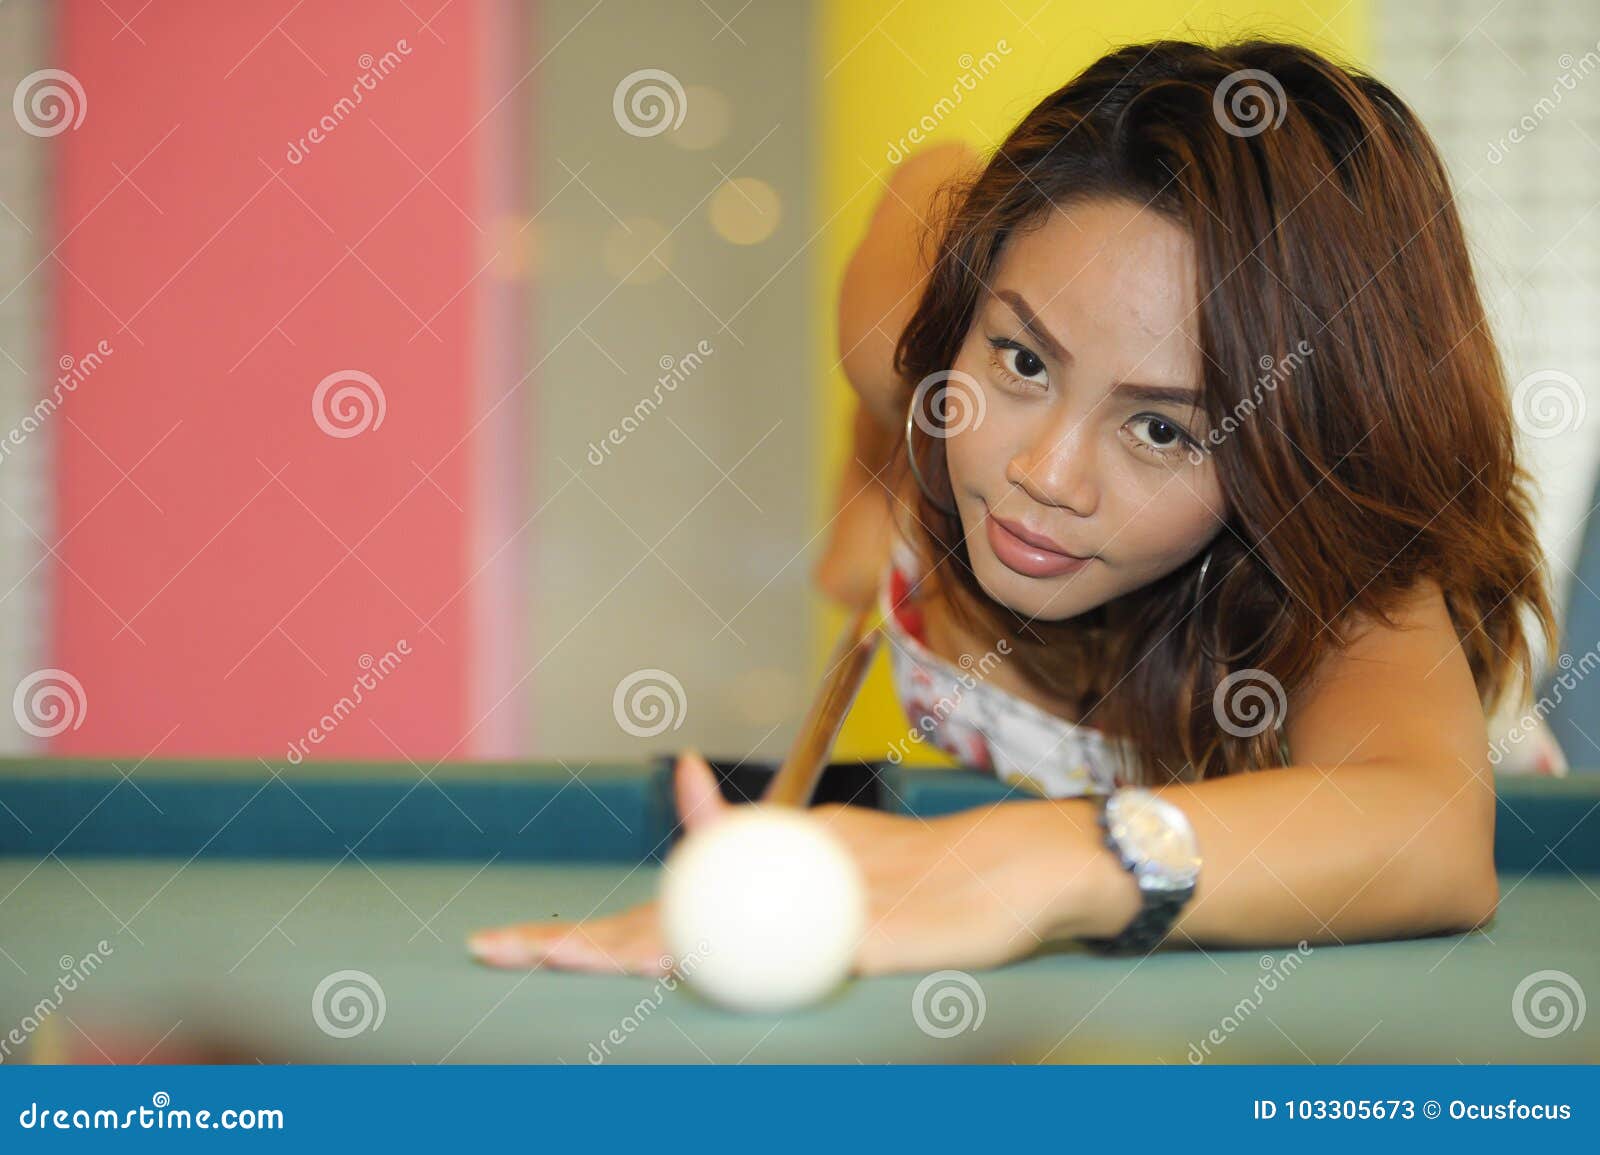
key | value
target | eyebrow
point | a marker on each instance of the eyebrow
(1149, 394)
(1158, 394)
(1030, 322)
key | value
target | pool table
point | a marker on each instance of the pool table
(251, 911)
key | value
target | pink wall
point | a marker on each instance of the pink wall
(210, 602)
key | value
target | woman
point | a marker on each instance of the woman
(1208, 467)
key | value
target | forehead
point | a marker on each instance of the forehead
(1107, 271)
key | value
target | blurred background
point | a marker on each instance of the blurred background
(426, 379)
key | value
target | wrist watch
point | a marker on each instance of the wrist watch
(1155, 843)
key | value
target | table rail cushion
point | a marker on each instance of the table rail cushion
(529, 811)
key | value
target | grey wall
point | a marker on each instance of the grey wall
(654, 558)
(24, 292)
(1511, 93)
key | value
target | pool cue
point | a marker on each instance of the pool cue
(797, 777)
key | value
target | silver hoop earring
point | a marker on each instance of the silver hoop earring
(916, 470)
(1200, 585)
(1199, 620)
(1200, 631)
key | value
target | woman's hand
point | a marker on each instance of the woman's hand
(973, 889)
(625, 943)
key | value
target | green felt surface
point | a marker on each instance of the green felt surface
(239, 947)
(227, 891)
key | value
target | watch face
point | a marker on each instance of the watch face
(1157, 836)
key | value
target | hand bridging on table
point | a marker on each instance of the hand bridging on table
(966, 890)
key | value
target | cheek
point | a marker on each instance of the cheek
(960, 455)
(978, 454)
(1176, 521)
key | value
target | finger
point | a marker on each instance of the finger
(560, 946)
(698, 795)
(536, 944)
(523, 945)
(628, 943)
(587, 952)
(610, 948)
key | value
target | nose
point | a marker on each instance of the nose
(1059, 466)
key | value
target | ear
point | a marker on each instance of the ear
(699, 797)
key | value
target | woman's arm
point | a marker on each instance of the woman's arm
(859, 535)
(1383, 827)
(880, 290)
(1385, 824)
(886, 275)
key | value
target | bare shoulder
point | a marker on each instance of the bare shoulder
(1398, 689)
(1420, 621)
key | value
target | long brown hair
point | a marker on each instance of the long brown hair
(1326, 240)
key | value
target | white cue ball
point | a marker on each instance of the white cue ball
(763, 909)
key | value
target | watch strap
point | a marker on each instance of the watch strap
(1158, 911)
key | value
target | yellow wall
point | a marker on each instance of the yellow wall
(881, 74)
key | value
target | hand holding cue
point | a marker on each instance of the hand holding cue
(797, 778)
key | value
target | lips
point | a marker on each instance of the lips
(1030, 554)
(1037, 540)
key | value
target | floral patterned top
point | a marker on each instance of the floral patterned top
(978, 723)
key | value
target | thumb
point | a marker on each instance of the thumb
(698, 795)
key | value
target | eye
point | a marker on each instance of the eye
(1018, 361)
(1161, 437)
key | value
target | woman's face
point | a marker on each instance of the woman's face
(1085, 353)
